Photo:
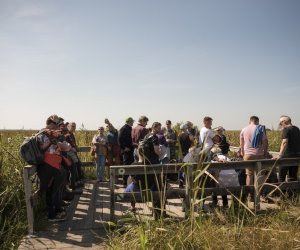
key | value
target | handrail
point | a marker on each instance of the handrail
(256, 165)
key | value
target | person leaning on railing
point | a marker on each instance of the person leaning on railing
(289, 148)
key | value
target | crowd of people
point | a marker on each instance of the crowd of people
(61, 174)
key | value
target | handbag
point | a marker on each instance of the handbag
(93, 151)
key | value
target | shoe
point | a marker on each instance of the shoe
(76, 191)
(65, 203)
(225, 206)
(68, 196)
(60, 210)
(213, 205)
(61, 213)
(79, 184)
(58, 218)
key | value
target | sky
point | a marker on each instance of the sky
(166, 59)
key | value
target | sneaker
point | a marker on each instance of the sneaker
(60, 210)
(79, 184)
(58, 217)
(76, 191)
(65, 203)
(68, 196)
(225, 206)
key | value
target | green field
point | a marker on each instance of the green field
(236, 229)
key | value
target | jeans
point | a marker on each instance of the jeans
(100, 163)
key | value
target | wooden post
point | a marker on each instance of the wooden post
(188, 190)
(257, 176)
(28, 191)
(112, 194)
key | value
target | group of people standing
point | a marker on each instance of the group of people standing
(60, 173)
(168, 145)
(124, 146)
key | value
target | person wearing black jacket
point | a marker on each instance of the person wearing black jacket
(125, 142)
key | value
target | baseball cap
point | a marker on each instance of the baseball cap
(54, 118)
(129, 119)
(183, 126)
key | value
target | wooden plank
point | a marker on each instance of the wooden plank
(88, 164)
(257, 176)
(112, 194)
(188, 191)
(84, 149)
(174, 168)
(283, 186)
(142, 196)
(28, 191)
(30, 170)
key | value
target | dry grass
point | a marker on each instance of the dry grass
(274, 230)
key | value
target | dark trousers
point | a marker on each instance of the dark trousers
(51, 181)
(79, 170)
(291, 171)
(128, 159)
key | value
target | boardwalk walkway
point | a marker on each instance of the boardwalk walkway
(86, 225)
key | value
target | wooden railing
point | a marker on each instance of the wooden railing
(256, 165)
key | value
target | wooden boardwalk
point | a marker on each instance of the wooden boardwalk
(87, 220)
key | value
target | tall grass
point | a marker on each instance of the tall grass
(272, 230)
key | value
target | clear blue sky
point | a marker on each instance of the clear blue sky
(167, 59)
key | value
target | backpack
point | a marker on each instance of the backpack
(145, 146)
(30, 150)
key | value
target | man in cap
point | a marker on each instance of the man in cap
(125, 141)
(290, 147)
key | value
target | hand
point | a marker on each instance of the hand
(276, 157)
(106, 121)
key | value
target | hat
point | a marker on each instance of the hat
(54, 118)
(219, 128)
(284, 118)
(61, 121)
(183, 126)
(129, 119)
(207, 118)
